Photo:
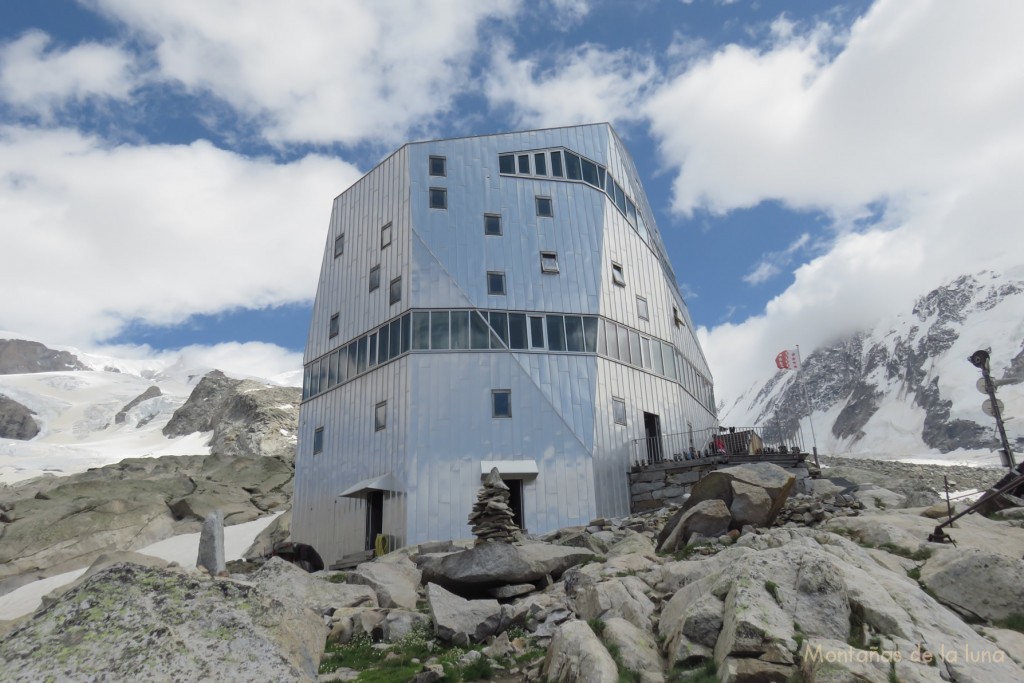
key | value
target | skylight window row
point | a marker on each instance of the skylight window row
(567, 165)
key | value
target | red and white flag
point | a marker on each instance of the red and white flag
(787, 360)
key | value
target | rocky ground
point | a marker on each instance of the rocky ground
(712, 590)
(52, 525)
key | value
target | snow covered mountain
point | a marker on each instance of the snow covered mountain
(906, 387)
(91, 410)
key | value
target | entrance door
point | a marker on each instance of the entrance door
(374, 517)
(515, 487)
(652, 426)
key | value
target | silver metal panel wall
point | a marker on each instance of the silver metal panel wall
(451, 430)
(353, 451)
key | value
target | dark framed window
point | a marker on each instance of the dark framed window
(536, 332)
(438, 198)
(641, 308)
(549, 262)
(590, 172)
(495, 283)
(385, 236)
(506, 163)
(618, 277)
(501, 403)
(333, 327)
(318, 440)
(438, 166)
(395, 291)
(339, 245)
(524, 164)
(618, 410)
(572, 167)
(492, 224)
(380, 416)
(677, 317)
(556, 164)
(540, 166)
(374, 278)
(544, 207)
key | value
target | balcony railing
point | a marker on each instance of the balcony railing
(710, 444)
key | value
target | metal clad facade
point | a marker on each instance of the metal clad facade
(440, 423)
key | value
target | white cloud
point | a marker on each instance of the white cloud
(38, 77)
(568, 13)
(588, 85)
(920, 113)
(95, 236)
(772, 263)
(317, 71)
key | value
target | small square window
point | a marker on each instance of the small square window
(438, 198)
(385, 236)
(506, 163)
(374, 278)
(641, 308)
(524, 164)
(339, 245)
(495, 283)
(334, 326)
(501, 403)
(438, 166)
(318, 440)
(492, 224)
(380, 416)
(395, 290)
(549, 262)
(617, 275)
(619, 410)
(544, 207)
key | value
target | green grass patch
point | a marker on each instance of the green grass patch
(857, 637)
(914, 573)
(919, 555)
(1014, 622)
(690, 550)
(340, 577)
(597, 626)
(706, 672)
(773, 590)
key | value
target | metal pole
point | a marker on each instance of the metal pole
(991, 388)
(807, 401)
(980, 360)
(949, 507)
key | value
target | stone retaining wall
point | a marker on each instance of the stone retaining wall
(658, 485)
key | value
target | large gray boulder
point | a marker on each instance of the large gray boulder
(494, 564)
(776, 482)
(145, 624)
(976, 583)
(247, 418)
(638, 650)
(623, 597)
(709, 518)
(276, 532)
(16, 421)
(395, 583)
(288, 583)
(576, 654)
(462, 621)
(750, 505)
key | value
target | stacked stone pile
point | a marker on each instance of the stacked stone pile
(492, 519)
(810, 510)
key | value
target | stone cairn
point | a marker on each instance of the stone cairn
(492, 518)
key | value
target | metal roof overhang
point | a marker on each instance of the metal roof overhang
(510, 468)
(382, 482)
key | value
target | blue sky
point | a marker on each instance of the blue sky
(168, 167)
